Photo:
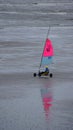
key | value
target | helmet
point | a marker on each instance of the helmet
(46, 66)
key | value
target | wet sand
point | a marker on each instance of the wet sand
(26, 102)
(34, 103)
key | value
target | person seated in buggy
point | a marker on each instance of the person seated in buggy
(44, 73)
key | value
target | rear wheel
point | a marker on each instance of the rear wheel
(51, 75)
(39, 74)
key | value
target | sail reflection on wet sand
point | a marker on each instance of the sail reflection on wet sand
(47, 99)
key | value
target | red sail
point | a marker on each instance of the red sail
(48, 49)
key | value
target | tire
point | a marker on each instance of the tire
(34, 74)
(51, 75)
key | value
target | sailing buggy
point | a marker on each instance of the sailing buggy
(46, 59)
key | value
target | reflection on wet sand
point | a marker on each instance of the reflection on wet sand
(47, 98)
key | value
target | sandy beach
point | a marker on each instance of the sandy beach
(27, 102)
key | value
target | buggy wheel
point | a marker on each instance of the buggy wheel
(34, 74)
(39, 74)
(51, 75)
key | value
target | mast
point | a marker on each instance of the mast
(44, 47)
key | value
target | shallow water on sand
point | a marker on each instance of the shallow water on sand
(36, 103)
